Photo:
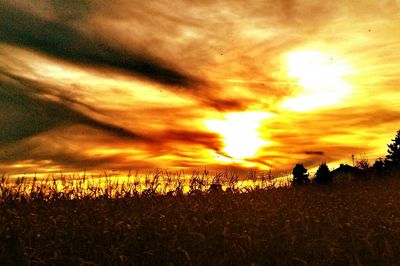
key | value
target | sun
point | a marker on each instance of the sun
(240, 132)
(321, 77)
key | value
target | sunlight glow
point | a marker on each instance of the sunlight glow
(240, 133)
(321, 78)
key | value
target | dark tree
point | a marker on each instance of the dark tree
(393, 158)
(378, 165)
(323, 175)
(300, 175)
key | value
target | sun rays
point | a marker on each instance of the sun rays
(240, 133)
(321, 78)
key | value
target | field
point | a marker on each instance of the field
(355, 223)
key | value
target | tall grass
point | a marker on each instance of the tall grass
(132, 185)
(353, 224)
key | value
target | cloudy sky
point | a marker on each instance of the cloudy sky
(101, 85)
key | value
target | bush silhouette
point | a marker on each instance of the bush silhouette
(300, 175)
(323, 175)
(362, 163)
(379, 165)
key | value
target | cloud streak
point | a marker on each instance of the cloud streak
(18, 27)
(130, 84)
(24, 114)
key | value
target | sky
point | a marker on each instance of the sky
(100, 85)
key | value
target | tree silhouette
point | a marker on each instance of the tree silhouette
(379, 165)
(393, 158)
(323, 175)
(300, 175)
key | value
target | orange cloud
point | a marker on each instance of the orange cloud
(99, 85)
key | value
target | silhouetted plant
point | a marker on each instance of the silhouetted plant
(379, 165)
(215, 188)
(300, 175)
(393, 158)
(323, 175)
(232, 182)
(362, 163)
(198, 181)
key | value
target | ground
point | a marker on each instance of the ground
(355, 223)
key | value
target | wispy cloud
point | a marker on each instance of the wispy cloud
(61, 40)
(26, 112)
(130, 84)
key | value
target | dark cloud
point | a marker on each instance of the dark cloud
(60, 40)
(314, 152)
(221, 104)
(25, 113)
(168, 140)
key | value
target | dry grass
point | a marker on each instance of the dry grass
(357, 223)
(131, 185)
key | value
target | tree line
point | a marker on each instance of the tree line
(380, 168)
